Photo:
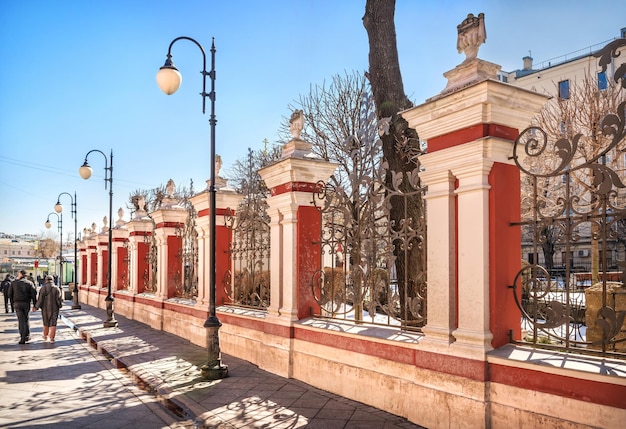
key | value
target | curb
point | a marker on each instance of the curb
(156, 388)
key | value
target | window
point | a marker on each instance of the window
(564, 89)
(602, 83)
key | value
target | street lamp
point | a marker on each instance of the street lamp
(85, 172)
(169, 80)
(58, 207)
(60, 229)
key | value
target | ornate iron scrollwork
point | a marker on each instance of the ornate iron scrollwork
(247, 282)
(126, 267)
(370, 269)
(589, 203)
(187, 281)
(152, 260)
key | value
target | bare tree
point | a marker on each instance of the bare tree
(154, 197)
(577, 119)
(401, 144)
(244, 172)
(48, 247)
(342, 122)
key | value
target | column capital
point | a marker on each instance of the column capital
(489, 102)
(169, 218)
(296, 174)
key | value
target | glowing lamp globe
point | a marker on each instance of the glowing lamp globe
(169, 78)
(85, 171)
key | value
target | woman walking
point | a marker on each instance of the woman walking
(50, 302)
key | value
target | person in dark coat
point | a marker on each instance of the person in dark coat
(50, 302)
(6, 284)
(22, 292)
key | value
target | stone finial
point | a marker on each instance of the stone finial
(471, 35)
(473, 70)
(93, 227)
(296, 123)
(139, 201)
(218, 165)
(105, 223)
(120, 221)
(220, 182)
(170, 188)
(296, 147)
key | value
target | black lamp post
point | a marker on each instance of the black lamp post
(60, 229)
(85, 172)
(58, 207)
(169, 79)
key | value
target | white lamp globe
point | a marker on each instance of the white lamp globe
(58, 207)
(85, 171)
(169, 79)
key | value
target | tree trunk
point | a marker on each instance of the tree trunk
(547, 245)
(389, 97)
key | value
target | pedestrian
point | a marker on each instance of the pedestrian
(50, 302)
(6, 283)
(32, 279)
(22, 292)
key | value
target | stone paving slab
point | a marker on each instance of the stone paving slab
(169, 367)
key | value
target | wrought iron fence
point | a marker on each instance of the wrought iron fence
(589, 202)
(374, 262)
(187, 280)
(125, 277)
(247, 281)
(151, 259)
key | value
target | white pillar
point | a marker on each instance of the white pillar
(470, 132)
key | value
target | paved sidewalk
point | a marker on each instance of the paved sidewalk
(167, 366)
(67, 385)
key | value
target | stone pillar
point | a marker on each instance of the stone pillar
(92, 293)
(102, 250)
(92, 259)
(81, 272)
(473, 197)
(225, 199)
(139, 228)
(441, 251)
(168, 218)
(295, 225)
(295, 228)
(119, 255)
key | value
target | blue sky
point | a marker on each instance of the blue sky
(80, 75)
